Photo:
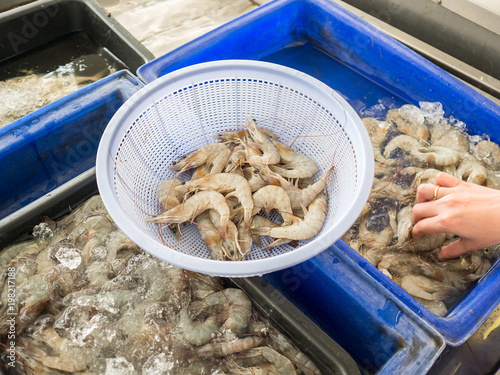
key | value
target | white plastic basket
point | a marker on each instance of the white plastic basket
(183, 110)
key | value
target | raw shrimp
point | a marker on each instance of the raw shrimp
(446, 135)
(260, 222)
(236, 303)
(427, 288)
(193, 206)
(427, 175)
(437, 155)
(167, 195)
(409, 120)
(299, 197)
(283, 345)
(404, 142)
(236, 159)
(377, 130)
(387, 188)
(254, 178)
(230, 242)
(198, 333)
(199, 172)
(301, 229)
(245, 240)
(94, 206)
(434, 306)
(272, 197)
(397, 264)
(10, 253)
(261, 151)
(489, 153)
(293, 164)
(117, 241)
(405, 224)
(211, 236)
(230, 183)
(473, 170)
(235, 137)
(263, 360)
(424, 243)
(69, 359)
(214, 155)
(221, 349)
(373, 238)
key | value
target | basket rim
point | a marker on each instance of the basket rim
(104, 175)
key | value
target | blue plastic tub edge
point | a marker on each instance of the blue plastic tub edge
(380, 332)
(376, 56)
(463, 319)
(39, 152)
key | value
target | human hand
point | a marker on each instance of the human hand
(467, 210)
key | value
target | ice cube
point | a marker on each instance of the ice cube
(119, 366)
(69, 257)
(377, 111)
(158, 365)
(433, 112)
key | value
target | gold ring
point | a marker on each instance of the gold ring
(434, 197)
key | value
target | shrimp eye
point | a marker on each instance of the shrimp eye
(256, 170)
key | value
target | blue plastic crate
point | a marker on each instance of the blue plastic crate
(381, 334)
(365, 65)
(52, 145)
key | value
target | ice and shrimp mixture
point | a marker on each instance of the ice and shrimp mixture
(411, 146)
(256, 172)
(19, 96)
(90, 301)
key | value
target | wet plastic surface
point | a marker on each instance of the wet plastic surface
(47, 148)
(365, 66)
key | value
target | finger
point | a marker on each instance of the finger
(429, 225)
(424, 210)
(447, 180)
(425, 192)
(455, 249)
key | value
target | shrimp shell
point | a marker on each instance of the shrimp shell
(301, 229)
(269, 154)
(299, 197)
(273, 197)
(293, 164)
(231, 183)
(221, 349)
(437, 155)
(237, 304)
(193, 206)
(404, 142)
(211, 236)
(473, 170)
(214, 155)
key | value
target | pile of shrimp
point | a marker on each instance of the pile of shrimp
(89, 301)
(411, 146)
(233, 181)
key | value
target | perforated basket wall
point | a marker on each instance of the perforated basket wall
(184, 110)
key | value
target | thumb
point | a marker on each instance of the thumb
(456, 249)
